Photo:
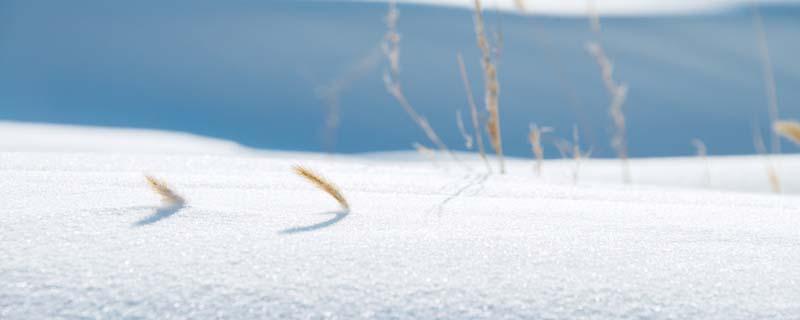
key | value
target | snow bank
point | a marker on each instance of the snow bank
(17, 136)
(422, 241)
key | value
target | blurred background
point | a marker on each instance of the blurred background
(307, 75)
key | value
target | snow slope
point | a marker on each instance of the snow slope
(81, 235)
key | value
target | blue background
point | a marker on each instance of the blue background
(251, 71)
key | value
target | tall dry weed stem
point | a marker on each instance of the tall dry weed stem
(461, 129)
(573, 150)
(473, 108)
(323, 184)
(618, 93)
(492, 87)
(768, 75)
(535, 138)
(391, 78)
(331, 92)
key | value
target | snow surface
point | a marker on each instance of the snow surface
(82, 236)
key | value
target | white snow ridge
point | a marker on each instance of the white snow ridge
(422, 241)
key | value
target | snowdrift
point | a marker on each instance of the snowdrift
(423, 240)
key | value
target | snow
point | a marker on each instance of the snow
(423, 240)
(19, 136)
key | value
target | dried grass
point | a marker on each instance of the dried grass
(535, 138)
(476, 125)
(618, 93)
(573, 150)
(168, 196)
(768, 76)
(789, 129)
(323, 184)
(492, 87)
(331, 93)
(467, 137)
(391, 78)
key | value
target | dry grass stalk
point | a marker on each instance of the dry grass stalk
(492, 87)
(168, 196)
(535, 138)
(331, 92)
(618, 93)
(772, 174)
(573, 150)
(774, 180)
(768, 75)
(702, 153)
(789, 129)
(476, 125)
(463, 131)
(322, 184)
(391, 78)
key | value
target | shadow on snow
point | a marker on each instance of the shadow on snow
(337, 216)
(161, 213)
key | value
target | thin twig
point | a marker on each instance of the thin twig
(391, 78)
(460, 124)
(476, 125)
(573, 150)
(331, 93)
(535, 138)
(768, 75)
